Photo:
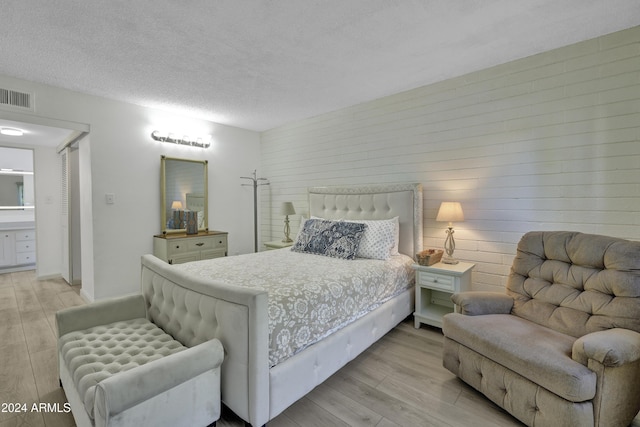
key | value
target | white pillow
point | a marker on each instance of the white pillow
(380, 240)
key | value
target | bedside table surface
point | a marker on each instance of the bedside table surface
(278, 244)
(440, 267)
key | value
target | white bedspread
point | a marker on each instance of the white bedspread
(310, 296)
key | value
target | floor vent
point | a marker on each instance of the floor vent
(16, 99)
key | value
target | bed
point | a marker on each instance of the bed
(257, 383)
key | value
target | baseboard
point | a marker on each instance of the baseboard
(18, 268)
(50, 276)
(85, 296)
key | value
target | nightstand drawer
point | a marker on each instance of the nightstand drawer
(436, 281)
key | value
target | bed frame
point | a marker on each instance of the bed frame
(237, 316)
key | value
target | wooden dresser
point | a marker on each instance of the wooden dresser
(177, 248)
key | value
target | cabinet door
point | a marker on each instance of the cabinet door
(213, 253)
(7, 248)
(187, 257)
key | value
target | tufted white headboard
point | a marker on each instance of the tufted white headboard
(374, 202)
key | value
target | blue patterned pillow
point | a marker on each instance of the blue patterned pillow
(336, 239)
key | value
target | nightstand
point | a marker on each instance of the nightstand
(277, 244)
(434, 286)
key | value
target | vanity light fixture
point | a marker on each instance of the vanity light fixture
(194, 141)
(14, 172)
(11, 131)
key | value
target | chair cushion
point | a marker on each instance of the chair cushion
(537, 353)
(576, 283)
(97, 353)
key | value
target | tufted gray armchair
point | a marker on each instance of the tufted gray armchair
(562, 346)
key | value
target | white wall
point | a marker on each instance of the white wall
(549, 142)
(124, 160)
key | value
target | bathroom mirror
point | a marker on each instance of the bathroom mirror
(16, 178)
(183, 186)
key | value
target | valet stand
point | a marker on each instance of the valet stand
(256, 182)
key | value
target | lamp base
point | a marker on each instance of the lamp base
(287, 240)
(449, 260)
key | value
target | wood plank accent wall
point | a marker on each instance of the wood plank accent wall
(548, 142)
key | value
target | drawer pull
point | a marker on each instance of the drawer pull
(199, 244)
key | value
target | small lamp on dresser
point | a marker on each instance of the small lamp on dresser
(178, 214)
(450, 212)
(287, 209)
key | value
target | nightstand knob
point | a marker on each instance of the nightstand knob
(199, 244)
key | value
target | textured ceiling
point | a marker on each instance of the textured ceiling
(258, 64)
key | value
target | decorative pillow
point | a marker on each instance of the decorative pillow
(380, 240)
(336, 239)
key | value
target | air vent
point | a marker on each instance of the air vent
(16, 99)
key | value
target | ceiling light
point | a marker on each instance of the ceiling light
(11, 131)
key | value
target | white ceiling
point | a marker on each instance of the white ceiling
(258, 64)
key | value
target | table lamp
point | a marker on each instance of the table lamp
(450, 212)
(287, 209)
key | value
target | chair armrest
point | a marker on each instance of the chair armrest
(612, 347)
(129, 388)
(100, 313)
(474, 303)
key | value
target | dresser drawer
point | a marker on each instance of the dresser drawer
(199, 244)
(25, 246)
(213, 253)
(23, 235)
(436, 281)
(25, 258)
(177, 247)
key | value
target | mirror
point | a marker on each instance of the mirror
(183, 187)
(16, 178)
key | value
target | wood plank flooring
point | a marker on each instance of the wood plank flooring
(399, 381)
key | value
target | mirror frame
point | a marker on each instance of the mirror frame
(163, 193)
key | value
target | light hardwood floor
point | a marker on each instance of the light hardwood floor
(399, 381)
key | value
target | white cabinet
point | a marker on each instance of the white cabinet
(7, 248)
(434, 286)
(25, 247)
(180, 247)
(17, 248)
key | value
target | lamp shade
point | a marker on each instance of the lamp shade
(450, 212)
(287, 209)
(177, 204)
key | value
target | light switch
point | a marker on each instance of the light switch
(110, 198)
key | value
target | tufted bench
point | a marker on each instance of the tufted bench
(119, 368)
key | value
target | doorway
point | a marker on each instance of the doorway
(17, 209)
(47, 138)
